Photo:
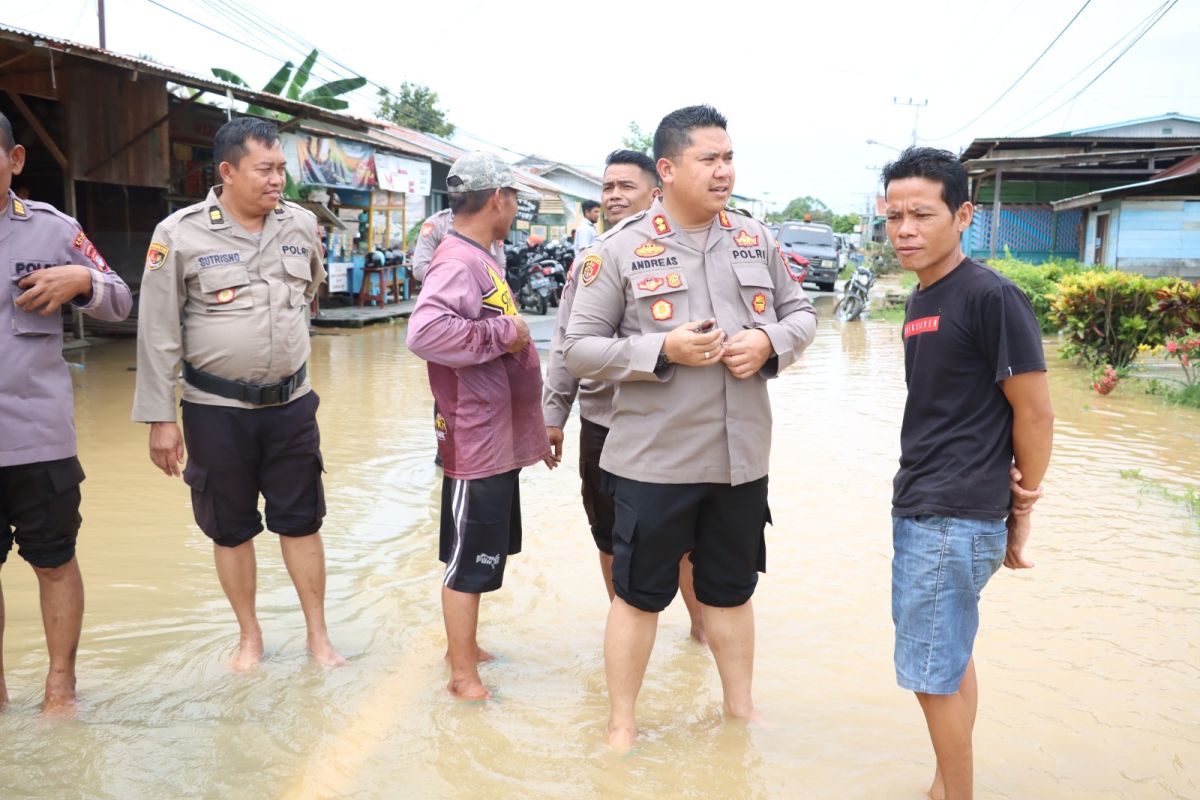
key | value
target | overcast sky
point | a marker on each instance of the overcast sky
(804, 85)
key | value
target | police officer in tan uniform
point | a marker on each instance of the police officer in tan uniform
(690, 309)
(226, 294)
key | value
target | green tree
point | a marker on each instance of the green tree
(289, 82)
(414, 107)
(844, 223)
(800, 206)
(639, 141)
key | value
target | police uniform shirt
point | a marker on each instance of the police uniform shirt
(645, 278)
(35, 384)
(433, 230)
(230, 303)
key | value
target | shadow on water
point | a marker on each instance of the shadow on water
(1089, 665)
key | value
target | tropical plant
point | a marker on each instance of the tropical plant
(1039, 282)
(290, 81)
(1108, 315)
(639, 140)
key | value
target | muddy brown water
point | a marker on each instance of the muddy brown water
(1089, 664)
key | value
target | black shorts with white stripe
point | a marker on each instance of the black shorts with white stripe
(481, 528)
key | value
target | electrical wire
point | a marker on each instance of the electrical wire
(1109, 66)
(1021, 77)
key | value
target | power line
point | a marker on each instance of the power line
(1110, 65)
(1021, 77)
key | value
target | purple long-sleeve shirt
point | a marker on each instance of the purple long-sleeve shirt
(35, 384)
(489, 417)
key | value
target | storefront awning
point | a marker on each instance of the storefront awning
(324, 215)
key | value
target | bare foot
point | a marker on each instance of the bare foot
(698, 633)
(481, 656)
(249, 654)
(468, 689)
(321, 649)
(937, 791)
(60, 698)
(621, 738)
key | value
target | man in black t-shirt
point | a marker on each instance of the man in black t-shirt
(977, 400)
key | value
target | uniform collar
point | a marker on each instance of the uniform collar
(662, 226)
(219, 219)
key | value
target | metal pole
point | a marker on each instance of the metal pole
(995, 215)
(71, 210)
(100, 14)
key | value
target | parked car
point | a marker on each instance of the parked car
(814, 241)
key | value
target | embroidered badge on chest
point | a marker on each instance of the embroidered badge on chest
(744, 239)
(651, 284)
(649, 249)
(662, 310)
(760, 303)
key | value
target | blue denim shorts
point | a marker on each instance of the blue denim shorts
(940, 566)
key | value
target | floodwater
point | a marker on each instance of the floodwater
(1089, 664)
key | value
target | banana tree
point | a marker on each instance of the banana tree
(290, 81)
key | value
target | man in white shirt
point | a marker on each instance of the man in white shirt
(585, 234)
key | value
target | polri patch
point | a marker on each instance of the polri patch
(744, 239)
(662, 310)
(760, 303)
(93, 255)
(661, 227)
(591, 268)
(80, 241)
(294, 250)
(156, 256)
(649, 249)
(427, 229)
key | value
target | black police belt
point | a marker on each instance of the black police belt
(260, 394)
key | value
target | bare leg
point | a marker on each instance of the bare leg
(305, 560)
(237, 570)
(969, 689)
(949, 720)
(3, 687)
(460, 610)
(61, 590)
(606, 560)
(688, 590)
(628, 640)
(731, 637)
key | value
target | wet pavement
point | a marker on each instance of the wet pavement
(1089, 664)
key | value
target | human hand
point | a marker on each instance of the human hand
(556, 441)
(166, 447)
(746, 352)
(47, 289)
(523, 337)
(1022, 498)
(688, 346)
(1019, 528)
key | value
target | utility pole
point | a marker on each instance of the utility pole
(916, 107)
(100, 14)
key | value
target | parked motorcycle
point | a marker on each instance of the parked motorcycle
(856, 296)
(526, 278)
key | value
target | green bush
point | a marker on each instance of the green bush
(1107, 315)
(1039, 282)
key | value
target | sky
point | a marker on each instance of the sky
(804, 85)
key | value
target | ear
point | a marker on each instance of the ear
(655, 193)
(963, 217)
(666, 170)
(16, 157)
(225, 170)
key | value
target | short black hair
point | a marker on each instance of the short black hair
(468, 203)
(7, 141)
(637, 159)
(588, 205)
(673, 134)
(230, 142)
(932, 164)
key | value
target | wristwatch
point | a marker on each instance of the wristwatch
(662, 363)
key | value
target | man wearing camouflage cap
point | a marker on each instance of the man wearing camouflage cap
(487, 382)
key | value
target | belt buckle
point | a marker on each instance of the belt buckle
(271, 395)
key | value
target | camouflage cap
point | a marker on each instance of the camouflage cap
(480, 171)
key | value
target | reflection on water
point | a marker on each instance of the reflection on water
(1089, 664)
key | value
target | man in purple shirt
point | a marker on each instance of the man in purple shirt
(487, 383)
(46, 261)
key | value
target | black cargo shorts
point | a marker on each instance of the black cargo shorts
(39, 510)
(235, 454)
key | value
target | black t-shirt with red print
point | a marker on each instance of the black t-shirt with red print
(963, 336)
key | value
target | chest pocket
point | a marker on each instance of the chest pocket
(225, 288)
(661, 299)
(758, 292)
(299, 276)
(31, 323)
